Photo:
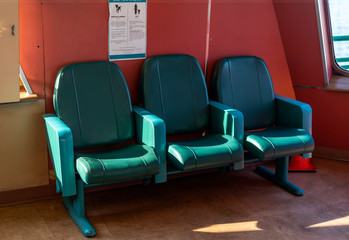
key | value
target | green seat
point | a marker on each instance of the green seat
(127, 163)
(276, 142)
(93, 114)
(208, 151)
(174, 89)
(275, 127)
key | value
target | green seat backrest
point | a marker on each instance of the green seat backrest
(244, 83)
(174, 88)
(92, 98)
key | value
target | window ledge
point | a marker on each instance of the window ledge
(338, 83)
(26, 96)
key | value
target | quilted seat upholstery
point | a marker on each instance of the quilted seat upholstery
(208, 151)
(276, 142)
(130, 162)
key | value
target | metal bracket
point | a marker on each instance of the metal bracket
(24, 80)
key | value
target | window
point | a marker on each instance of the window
(338, 24)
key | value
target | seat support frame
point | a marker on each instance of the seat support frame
(75, 206)
(280, 176)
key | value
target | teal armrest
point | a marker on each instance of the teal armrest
(225, 120)
(292, 113)
(151, 131)
(60, 144)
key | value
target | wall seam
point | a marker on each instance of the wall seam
(283, 47)
(208, 23)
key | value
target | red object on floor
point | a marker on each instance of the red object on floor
(298, 164)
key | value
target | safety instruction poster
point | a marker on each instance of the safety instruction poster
(127, 29)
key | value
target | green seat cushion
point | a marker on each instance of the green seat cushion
(208, 151)
(275, 142)
(130, 162)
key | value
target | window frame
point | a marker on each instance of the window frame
(337, 70)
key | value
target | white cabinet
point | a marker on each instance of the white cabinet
(9, 51)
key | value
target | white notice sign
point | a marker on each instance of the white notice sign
(127, 29)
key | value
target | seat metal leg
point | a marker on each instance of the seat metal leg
(76, 208)
(280, 176)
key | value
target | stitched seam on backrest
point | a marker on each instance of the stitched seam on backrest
(192, 95)
(259, 86)
(114, 105)
(160, 90)
(77, 104)
(231, 84)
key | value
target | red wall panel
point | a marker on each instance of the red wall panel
(299, 31)
(177, 27)
(283, 32)
(330, 118)
(31, 44)
(249, 28)
(78, 31)
(73, 31)
(300, 35)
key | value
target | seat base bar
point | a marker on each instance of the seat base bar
(280, 176)
(76, 209)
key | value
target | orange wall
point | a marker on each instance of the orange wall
(78, 31)
(72, 31)
(249, 27)
(31, 44)
(300, 35)
(299, 31)
(330, 116)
